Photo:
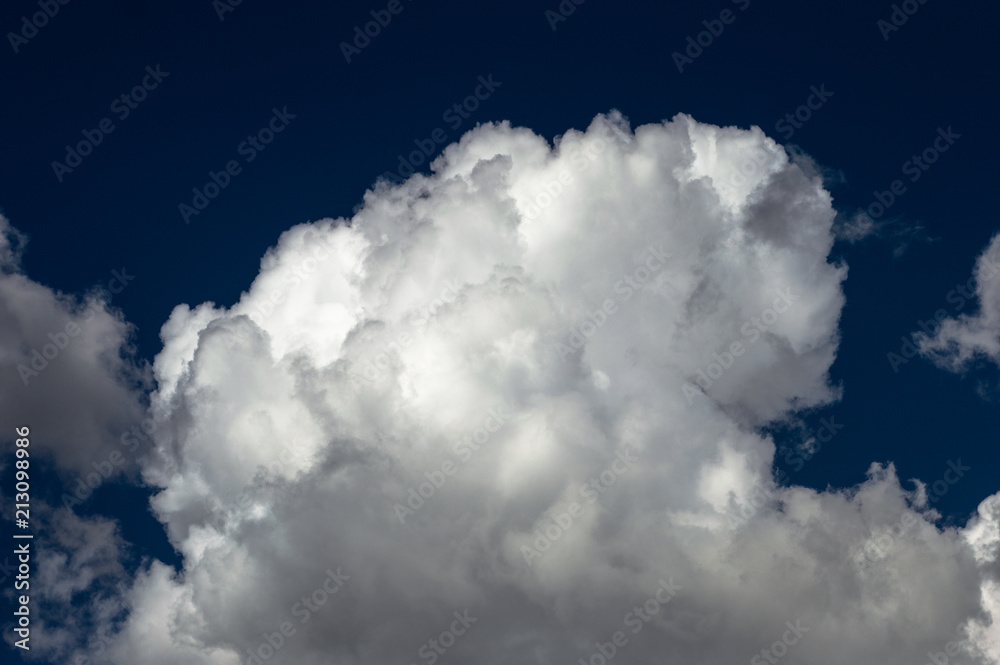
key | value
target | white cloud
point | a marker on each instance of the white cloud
(959, 341)
(67, 366)
(281, 459)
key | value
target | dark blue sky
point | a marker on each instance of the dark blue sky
(222, 79)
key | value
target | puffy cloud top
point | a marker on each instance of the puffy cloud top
(509, 411)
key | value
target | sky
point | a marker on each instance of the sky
(549, 332)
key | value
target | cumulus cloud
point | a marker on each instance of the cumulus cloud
(958, 342)
(68, 374)
(510, 411)
(67, 364)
